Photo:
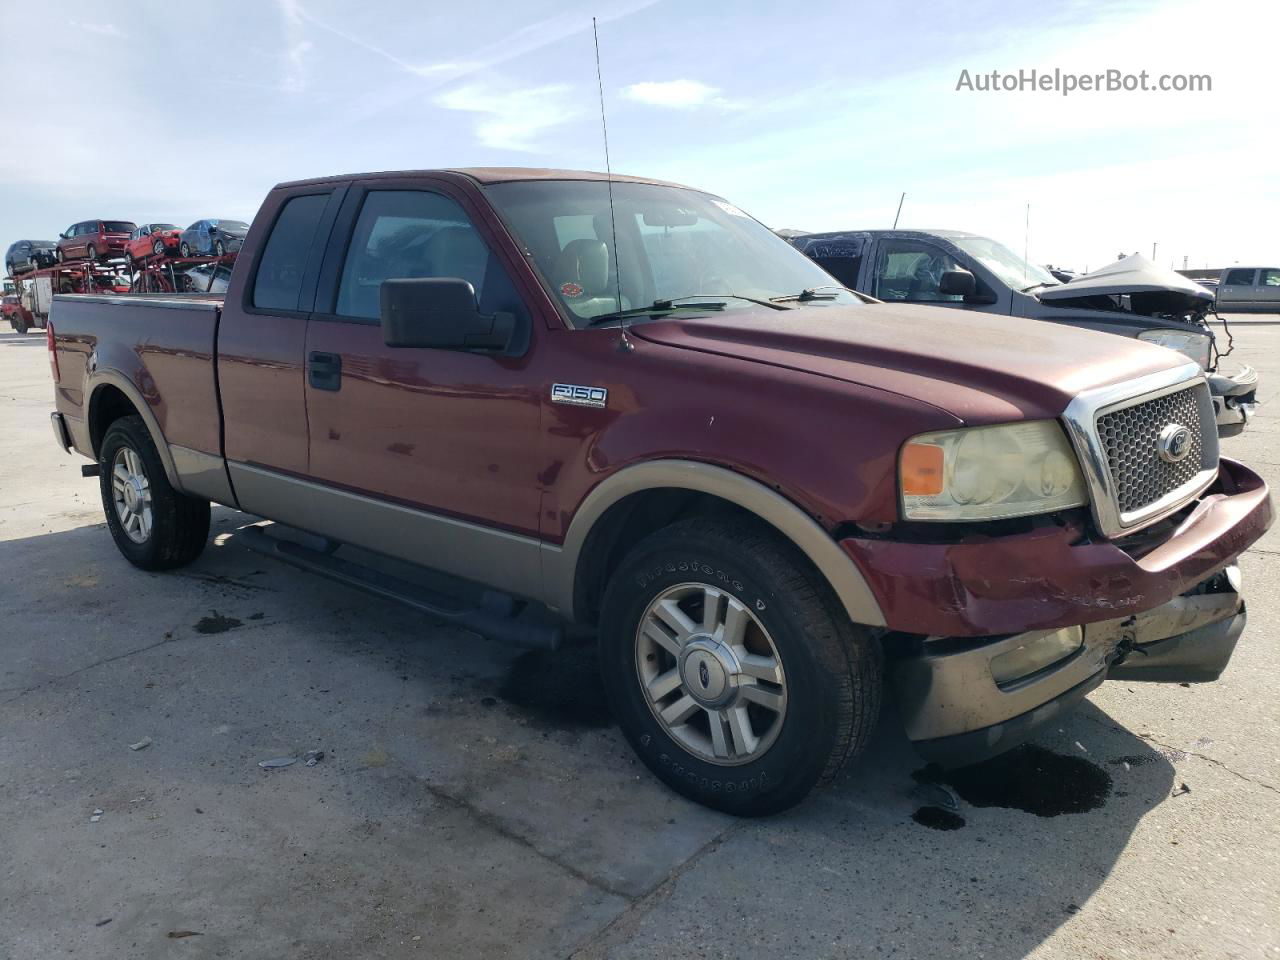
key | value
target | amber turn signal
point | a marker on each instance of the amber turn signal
(921, 469)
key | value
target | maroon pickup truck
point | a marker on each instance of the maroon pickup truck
(631, 404)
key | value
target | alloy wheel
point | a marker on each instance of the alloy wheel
(711, 674)
(131, 494)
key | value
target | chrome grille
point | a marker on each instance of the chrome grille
(1130, 440)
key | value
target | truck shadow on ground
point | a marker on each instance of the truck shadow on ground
(407, 709)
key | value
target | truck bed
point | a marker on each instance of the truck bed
(156, 348)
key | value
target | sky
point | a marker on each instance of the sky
(812, 116)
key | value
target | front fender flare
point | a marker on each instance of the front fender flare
(560, 563)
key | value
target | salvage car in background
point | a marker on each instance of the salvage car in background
(207, 278)
(1249, 288)
(1132, 297)
(94, 240)
(24, 255)
(212, 238)
(151, 240)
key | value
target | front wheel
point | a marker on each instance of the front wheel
(59, 256)
(218, 249)
(184, 249)
(731, 667)
(157, 248)
(153, 525)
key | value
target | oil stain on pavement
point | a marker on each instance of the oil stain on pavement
(1028, 778)
(558, 690)
(216, 623)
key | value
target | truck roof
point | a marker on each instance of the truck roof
(492, 175)
(903, 232)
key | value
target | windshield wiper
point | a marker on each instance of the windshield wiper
(1037, 286)
(677, 303)
(810, 293)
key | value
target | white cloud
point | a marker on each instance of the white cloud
(103, 29)
(679, 94)
(514, 118)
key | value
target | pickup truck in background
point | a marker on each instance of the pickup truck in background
(767, 495)
(1132, 297)
(1249, 288)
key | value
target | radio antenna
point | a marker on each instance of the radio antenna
(608, 179)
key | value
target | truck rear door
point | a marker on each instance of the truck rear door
(262, 337)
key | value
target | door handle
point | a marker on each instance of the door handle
(324, 370)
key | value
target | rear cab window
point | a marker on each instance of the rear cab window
(277, 285)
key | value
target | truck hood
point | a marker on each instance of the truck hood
(1133, 276)
(979, 367)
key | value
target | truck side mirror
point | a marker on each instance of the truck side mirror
(957, 283)
(440, 312)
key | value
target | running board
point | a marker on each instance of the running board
(493, 617)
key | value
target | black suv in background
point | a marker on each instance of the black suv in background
(24, 255)
(1132, 297)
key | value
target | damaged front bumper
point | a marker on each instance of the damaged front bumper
(995, 636)
(1234, 399)
(960, 703)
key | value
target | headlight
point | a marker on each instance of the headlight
(988, 473)
(1187, 342)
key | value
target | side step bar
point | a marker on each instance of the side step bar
(493, 616)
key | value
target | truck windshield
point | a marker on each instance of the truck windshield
(672, 244)
(1005, 264)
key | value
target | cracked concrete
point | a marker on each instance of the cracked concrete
(445, 813)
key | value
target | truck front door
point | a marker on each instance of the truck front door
(410, 440)
(909, 271)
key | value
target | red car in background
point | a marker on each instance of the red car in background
(94, 240)
(151, 240)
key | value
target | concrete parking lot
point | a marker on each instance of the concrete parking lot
(474, 800)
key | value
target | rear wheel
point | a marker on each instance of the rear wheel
(153, 525)
(128, 260)
(731, 667)
(19, 323)
(91, 253)
(184, 249)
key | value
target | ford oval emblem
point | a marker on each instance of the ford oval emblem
(1174, 443)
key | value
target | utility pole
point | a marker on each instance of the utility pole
(1153, 252)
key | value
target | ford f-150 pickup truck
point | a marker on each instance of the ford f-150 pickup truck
(630, 404)
(1132, 297)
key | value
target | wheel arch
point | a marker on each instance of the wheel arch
(650, 494)
(113, 396)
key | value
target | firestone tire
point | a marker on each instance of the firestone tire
(796, 631)
(176, 526)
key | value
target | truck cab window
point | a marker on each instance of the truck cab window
(414, 233)
(1269, 278)
(284, 258)
(912, 271)
(1242, 278)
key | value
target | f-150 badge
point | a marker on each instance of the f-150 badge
(579, 396)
